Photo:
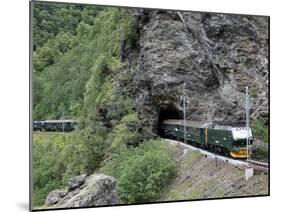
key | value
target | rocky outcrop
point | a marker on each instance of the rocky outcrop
(82, 191)
(54, 197)
(209, 58)
(76, 182)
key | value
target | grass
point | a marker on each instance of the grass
(189, 161)
(176, 192)
(199, 191)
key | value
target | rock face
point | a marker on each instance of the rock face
(54, 197)
(95, 190)
(209, 58)
(76, 181)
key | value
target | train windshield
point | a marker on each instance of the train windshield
(241, 133)
(240, 136)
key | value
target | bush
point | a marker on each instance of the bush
(260, 130)
(49, 163)
(141, 172)
(260, 133)
(93, 149)
(126, 132)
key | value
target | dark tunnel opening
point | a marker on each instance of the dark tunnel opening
(168, 112)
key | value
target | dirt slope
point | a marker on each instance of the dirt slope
(199, 177)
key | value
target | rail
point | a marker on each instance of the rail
(258, 165)
(255, 164)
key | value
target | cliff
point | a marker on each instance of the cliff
(208, 58)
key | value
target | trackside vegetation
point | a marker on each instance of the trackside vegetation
(260, 130)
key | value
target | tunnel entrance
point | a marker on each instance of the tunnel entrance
(168, 112)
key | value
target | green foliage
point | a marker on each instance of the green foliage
(94, 143)
(260, 130)
(50, 161)
(94, 88)
(74, 76)
(141, 172)
(119, 107)
(254, 92)
(51, 51)
(75, 72)
(59, 156)
(57, 29)
(52, 18)
(99, 93)
(126, 132)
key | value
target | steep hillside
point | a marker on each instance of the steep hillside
(199, 177)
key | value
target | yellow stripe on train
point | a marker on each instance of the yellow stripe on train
(241, 153)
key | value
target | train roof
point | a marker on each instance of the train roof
(198, 124)
(59, 121)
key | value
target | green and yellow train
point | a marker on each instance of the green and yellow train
(223, 139)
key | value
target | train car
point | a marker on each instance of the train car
(59, 125)
(224, 139)
(38, 125)
(174, 129)
(54, 125)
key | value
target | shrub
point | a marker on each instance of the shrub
(260, 130)
(126, 131)
(141, 172)
(49, 163)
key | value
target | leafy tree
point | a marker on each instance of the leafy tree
(50, 19)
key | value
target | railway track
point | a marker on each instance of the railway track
(258, 165)
(242, 163)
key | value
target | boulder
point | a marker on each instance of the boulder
(76, 181)
(54, 197)
(98, 189)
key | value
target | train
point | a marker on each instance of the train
(226, 140)
(54, 125)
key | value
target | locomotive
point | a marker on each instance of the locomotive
(226, 140)
(54, 125)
